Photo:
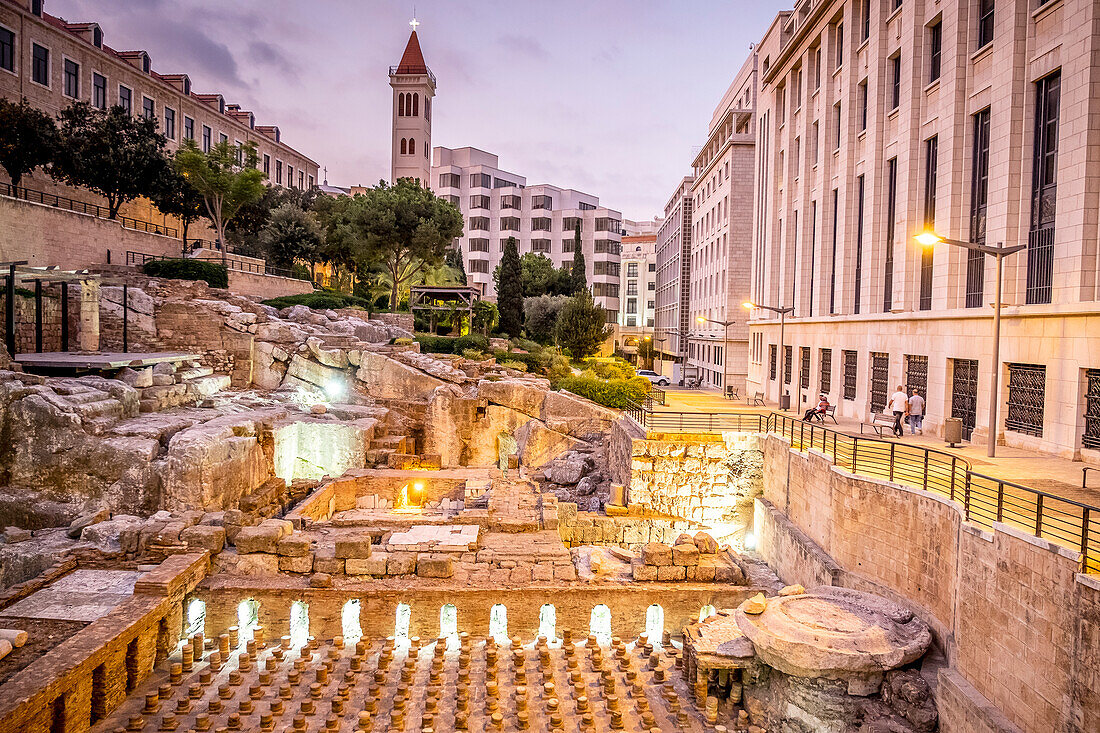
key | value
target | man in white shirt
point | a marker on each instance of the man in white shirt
(899, 403)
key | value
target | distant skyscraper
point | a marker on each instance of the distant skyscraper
(413, 86)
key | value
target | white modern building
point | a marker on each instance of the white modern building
(497, 204)
(638, 283)
(672, 314)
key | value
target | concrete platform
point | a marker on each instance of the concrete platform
(82, 595)
(70, 361)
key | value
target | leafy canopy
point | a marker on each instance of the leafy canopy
(510, 290)
(582, 326)
(28, 138)
(291, 234)
(578, 271)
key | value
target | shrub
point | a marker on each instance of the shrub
(402, 342)
(617, 393)
(517, 365)
(473, 354)
(610, 368)
(320, 300)
(430, 344)
(471, 341)
(540, 316)
(215, 275)
(531, 362)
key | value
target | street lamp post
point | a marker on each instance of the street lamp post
(725, 343)
(999, 251)
(782, 351)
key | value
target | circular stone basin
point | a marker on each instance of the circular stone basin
(834, 633)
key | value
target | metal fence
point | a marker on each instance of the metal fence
(984, 499)
(62, 202)
(259, 268)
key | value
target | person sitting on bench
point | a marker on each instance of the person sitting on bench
(822, 405)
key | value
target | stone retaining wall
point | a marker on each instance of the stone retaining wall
(1019, 624)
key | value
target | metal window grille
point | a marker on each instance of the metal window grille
(1026, 396)
(1091, 437)
(916, 374)
(851, 364)
(964, 394)
(804, 374)
(1044, 188)
(772, 356)
(979, 194)
(826, 371)
(788, 357)
(880, 380)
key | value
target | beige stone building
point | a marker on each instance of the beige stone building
(672, 313)
(54, 63)
(721, 221)
(638, 284)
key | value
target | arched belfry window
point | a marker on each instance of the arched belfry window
(404, 146)
(412, 146)
(416, 105)
(401, 104)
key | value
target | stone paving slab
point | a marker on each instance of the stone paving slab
(82, 595)
(443, 538)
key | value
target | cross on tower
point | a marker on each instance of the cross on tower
(414, 23)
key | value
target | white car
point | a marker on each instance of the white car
(659, 379)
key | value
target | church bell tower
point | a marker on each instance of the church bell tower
(413, 85)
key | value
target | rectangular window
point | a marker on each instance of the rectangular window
(804, 368)
(838, 120)
(479, 223)
(567, 245)
(631, 303)
(851, 364)
(148, 108)
(817, 68)
(170, 123)
(542, 202)
(278, 172)
(788, 367)
(815, 143)
(40, 65)
(449, 180)
(839, 45)
(223, 138)
(632, 269)
(481, 266)
(1091, 437)
(985, 22)
(189, 131)
(1044, 185)
(826, 371)
(891, 214)
(99, 91)
(863, 105)
(772, 360)
(895, 81)
(479, 201)
(540, 245)
(267, 164)
(931, 152)
(301, 178)
(859, 245)
(895, 4)
(509, 202)
(72, 79)
(479, 245)
(7, 50)
(1026, 398)
(481, 180)
(979, 194)
(935, 49)
(509, 224)
(865, 20)
(541, 224)
(126, 99)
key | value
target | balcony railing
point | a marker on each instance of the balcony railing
(137, 259)
(102, 212)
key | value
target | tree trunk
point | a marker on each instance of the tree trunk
(183, 228)
(393, 296)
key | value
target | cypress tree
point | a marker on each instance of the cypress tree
(577, 273)
(510, 290)
(582, 326)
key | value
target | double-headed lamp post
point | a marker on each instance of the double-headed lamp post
(931, 239)
(782, 351)
(725, 342)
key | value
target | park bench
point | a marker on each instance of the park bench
(830, 412)
(758, 399)
(732, 393)
(879, 423)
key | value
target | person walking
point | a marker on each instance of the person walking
(916, 414)
(899, 403)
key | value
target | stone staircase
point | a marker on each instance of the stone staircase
(393, 450)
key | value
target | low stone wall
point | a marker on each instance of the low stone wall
(266, 286)
(629, 532)
(1017, 621)
(51, 318)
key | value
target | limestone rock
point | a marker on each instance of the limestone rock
(755, 605)
(707, 545)
(907, 693)
(643, 572)
(356, 545)
(204, 537)
(671, 572)
(401, 563)
(80, 523)
(300, 564)
(685, 538)
(792, 590)
(373, 565)
(434, 565)
(571, 470)
(293, 546)
(258, 539)
(656, 553)
(256, 564)
(320, 580)
(685, 554)
(11, 535)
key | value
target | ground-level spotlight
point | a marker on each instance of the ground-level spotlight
(750, 541)
(335, 389)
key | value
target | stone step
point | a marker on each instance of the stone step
(403, 461)
(205, 386)
(394, 443)
(377, 457)
(194, 373)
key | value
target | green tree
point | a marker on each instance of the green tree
(174, 196)
(243, 230)
(28, 139)
(510, 290)
(540, 316)
(226, 177)
(401, 229)
(291, 234)
(485, 317)
(646, 352)
(111, 152)
(453, 259)
(577, 272)
(582, 326)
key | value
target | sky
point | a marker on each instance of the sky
(605, 96)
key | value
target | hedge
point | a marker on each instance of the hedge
(618, 393)
(430, 344)
(215, 275)
(318, 300)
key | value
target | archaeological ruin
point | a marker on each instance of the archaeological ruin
(294, 520)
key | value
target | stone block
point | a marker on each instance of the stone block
(706, 544)
(373, 565)
(671, 572)
(543, 571)
(298, 564)
(353, 546)
(435, 565)
(325, 562)
(258, 563)
(642, 572)
(401, 563)
(685, 554)
(521, 574)
(257, 539)
(705, 570)
(728, 573)
(283, 526)
(565, 572)
(657, 553)
(293, 546)
(204, 537)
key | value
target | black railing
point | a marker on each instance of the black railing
(656, 396)
(102, 212)
(984, 499)
(137, 259)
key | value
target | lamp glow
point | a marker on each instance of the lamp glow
(748, 304)
(335, 389)
(700, 319)
(928, 239)
(750, 541)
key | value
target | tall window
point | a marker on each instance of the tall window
(891, 213)
(837, 121)
(125, 99)
(279, 172)
(931, 151)
(895, 81)
(865, 20)
(979, 195)
(148, 108)
(935, 48)
(170, 123)
(99, 91)
(832, 260)
(859, 244)
(72, 79)
(1044, 184)
(817, 68)
(839, 46)
(7, 49)
(40, 64)
(851, 365)
(206, 143)
(985, 22)
(189, 130)
(267, 164)
(863, 105)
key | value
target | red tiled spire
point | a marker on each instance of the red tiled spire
(412, 61)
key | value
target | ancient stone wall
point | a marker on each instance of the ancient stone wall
(1017, 621)
(51, 318)
(266, 286)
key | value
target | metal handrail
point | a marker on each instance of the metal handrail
(984, 499)
(102, 212)
(258, 268)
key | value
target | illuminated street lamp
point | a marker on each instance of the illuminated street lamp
(782, 351)
(929, 238)
(725, 343)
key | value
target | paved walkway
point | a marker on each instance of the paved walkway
(1051, 474)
